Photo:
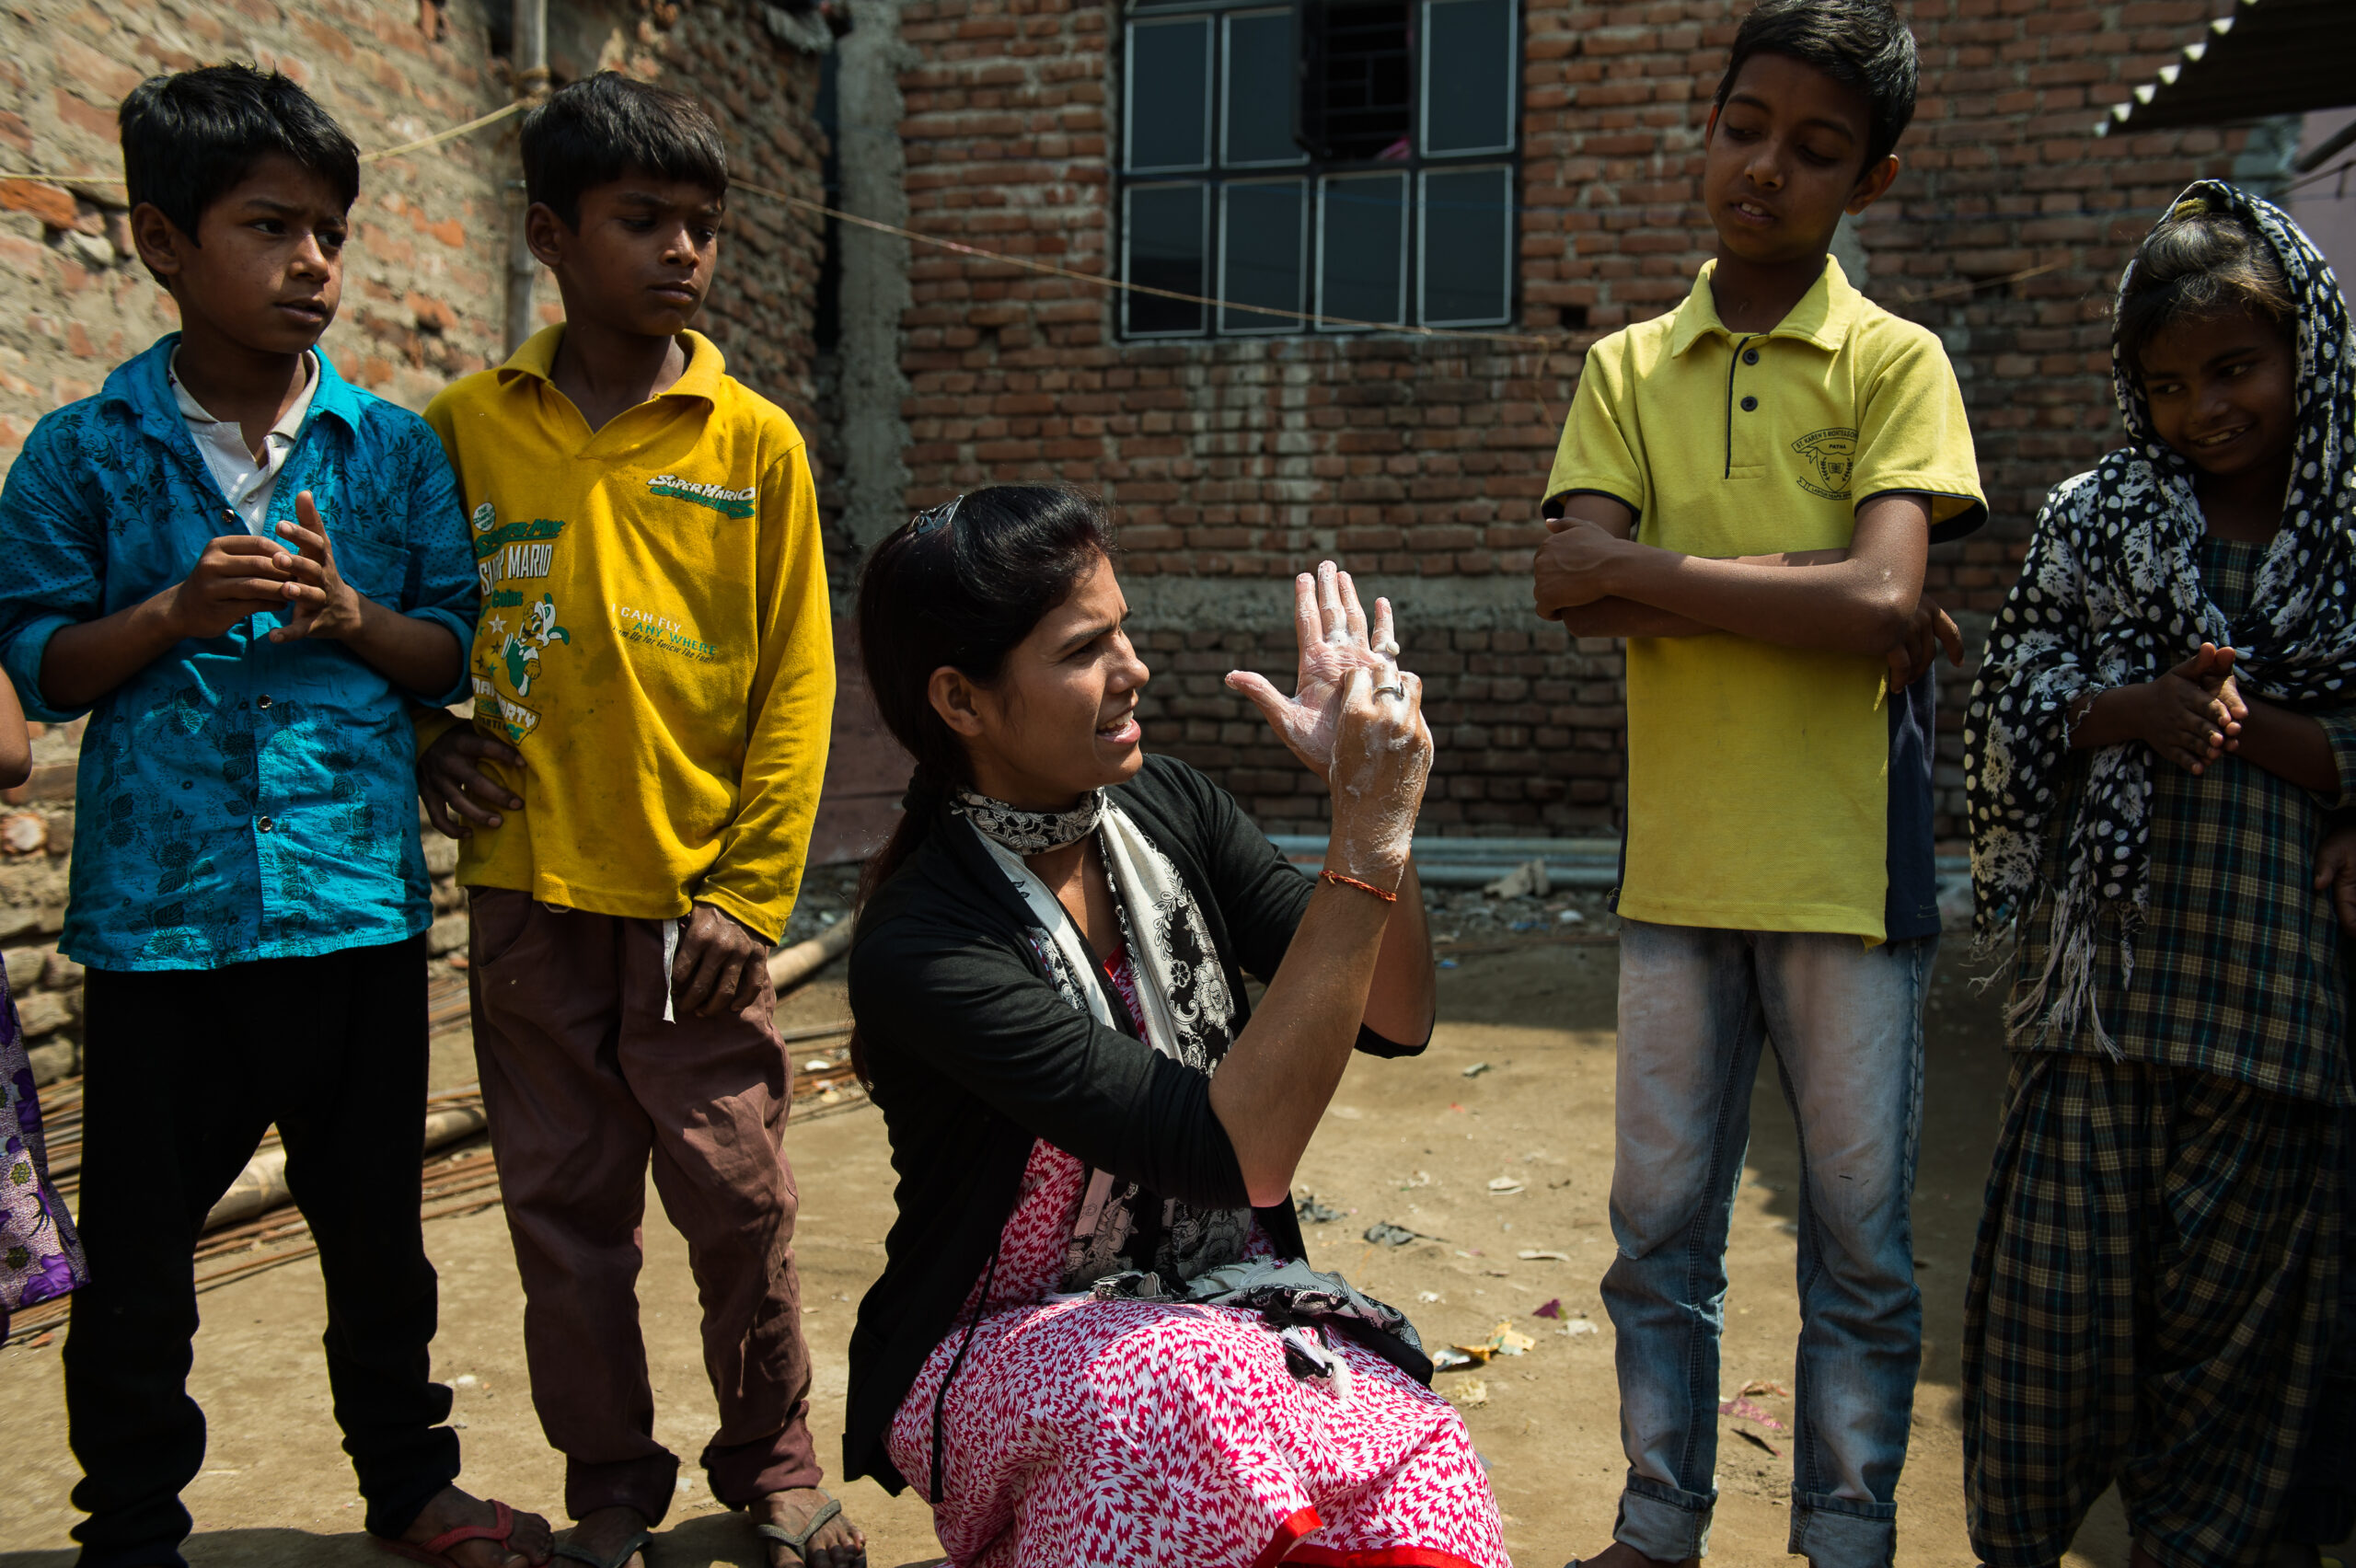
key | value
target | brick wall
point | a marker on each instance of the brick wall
(1418, 462)
(424, 284)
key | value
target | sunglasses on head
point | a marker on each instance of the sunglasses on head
(934, 517)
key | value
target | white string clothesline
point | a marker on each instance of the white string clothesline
(1025, 263)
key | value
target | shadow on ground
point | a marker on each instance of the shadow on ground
(716, 1540)
(1497, 1139)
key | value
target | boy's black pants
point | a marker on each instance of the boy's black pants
(184, 1069)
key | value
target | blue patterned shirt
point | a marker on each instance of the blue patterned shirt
(238, 799)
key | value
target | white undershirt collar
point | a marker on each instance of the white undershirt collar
(247, 481)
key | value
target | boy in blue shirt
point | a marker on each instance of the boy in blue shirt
(1747, 492)
(244, 568)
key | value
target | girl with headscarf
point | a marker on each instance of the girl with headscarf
(2161, 730)
(1095, 1341)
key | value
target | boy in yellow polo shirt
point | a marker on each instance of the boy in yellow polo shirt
(1746, 490)
(653, 678)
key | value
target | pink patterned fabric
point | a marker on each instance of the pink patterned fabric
(40, 1255)
(1084, 1434)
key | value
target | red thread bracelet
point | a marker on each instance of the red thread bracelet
(1338, 880)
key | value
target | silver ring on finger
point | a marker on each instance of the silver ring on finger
(1398, 691)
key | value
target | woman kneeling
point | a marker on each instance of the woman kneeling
(1094, 1341)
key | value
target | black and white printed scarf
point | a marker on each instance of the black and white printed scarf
(1189, 1017)
(1029, 832)
(2110, 595)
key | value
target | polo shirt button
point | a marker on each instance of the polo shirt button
(1749, 404)
(1751, 356)
(263, 824)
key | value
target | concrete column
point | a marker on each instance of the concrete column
(531, 65)
(875, 271)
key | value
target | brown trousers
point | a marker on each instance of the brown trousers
(583, 1081)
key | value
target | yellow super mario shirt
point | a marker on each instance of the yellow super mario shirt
(655, 640)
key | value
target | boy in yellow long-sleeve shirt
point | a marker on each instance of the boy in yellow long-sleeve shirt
(653, 679)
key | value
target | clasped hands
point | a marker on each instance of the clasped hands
(1354, 720)
(243, 574)
(1577, 566)
(2191, 715)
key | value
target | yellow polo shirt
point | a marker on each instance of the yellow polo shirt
(655, 640)
(1759, 776)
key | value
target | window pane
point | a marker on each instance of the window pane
(1357, 100)
(1264, 232)
(1468, 76)
(1260, 88)
(1163, 229)
(1468, 240)
(1170, 93)
(1362, 242)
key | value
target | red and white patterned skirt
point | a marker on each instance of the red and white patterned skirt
(1084, 1434)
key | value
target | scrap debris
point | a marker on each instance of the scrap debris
(1476, 1069)
(1502, 1186)
(1542, 1255)
(1744, 1410)
(1504, 1340)
(1309, 1211)
(1382, 1233)
(1552, 1309)
(1472, 1393)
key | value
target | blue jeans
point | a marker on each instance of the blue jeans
(1695, 1006)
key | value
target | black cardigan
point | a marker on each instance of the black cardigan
(974, 1055)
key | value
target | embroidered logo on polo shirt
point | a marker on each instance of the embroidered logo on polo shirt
(727, 503)
(1830, 452)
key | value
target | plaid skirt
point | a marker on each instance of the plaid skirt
(2151, 1301)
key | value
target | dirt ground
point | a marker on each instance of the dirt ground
(1414, 1143)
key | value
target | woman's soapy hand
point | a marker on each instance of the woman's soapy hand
(1382, 755)
(1330, 626)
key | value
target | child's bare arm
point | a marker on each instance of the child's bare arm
(1929, 628)
(2292, 746)
(16, 741)
(2336, 873)
(237, 576)
(1556, 591)
(1863, 602)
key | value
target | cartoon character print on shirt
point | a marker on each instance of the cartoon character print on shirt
(521, 653)
(514, 634)
(1830, 452)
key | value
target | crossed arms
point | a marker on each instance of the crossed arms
(1599, 582)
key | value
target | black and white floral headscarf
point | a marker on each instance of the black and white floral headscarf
(2110, 595)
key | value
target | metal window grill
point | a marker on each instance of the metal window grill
(1350, 159)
